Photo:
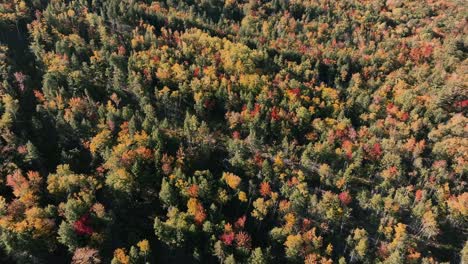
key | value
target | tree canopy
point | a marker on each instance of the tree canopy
(236, 131)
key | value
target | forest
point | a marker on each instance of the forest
(233, 131)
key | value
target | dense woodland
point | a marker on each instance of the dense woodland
(236, 131)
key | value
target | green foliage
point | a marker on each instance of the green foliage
(233, 131)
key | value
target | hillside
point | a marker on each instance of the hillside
(236, 131)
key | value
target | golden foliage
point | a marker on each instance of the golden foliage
(231, 180)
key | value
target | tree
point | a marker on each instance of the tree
(257, 257)
(86, 255)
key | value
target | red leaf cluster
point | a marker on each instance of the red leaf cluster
(275, 114)
(227, 238)
(82, 227)
(345, 198)
(265, 189)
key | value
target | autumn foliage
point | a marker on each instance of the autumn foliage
(278, 131)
